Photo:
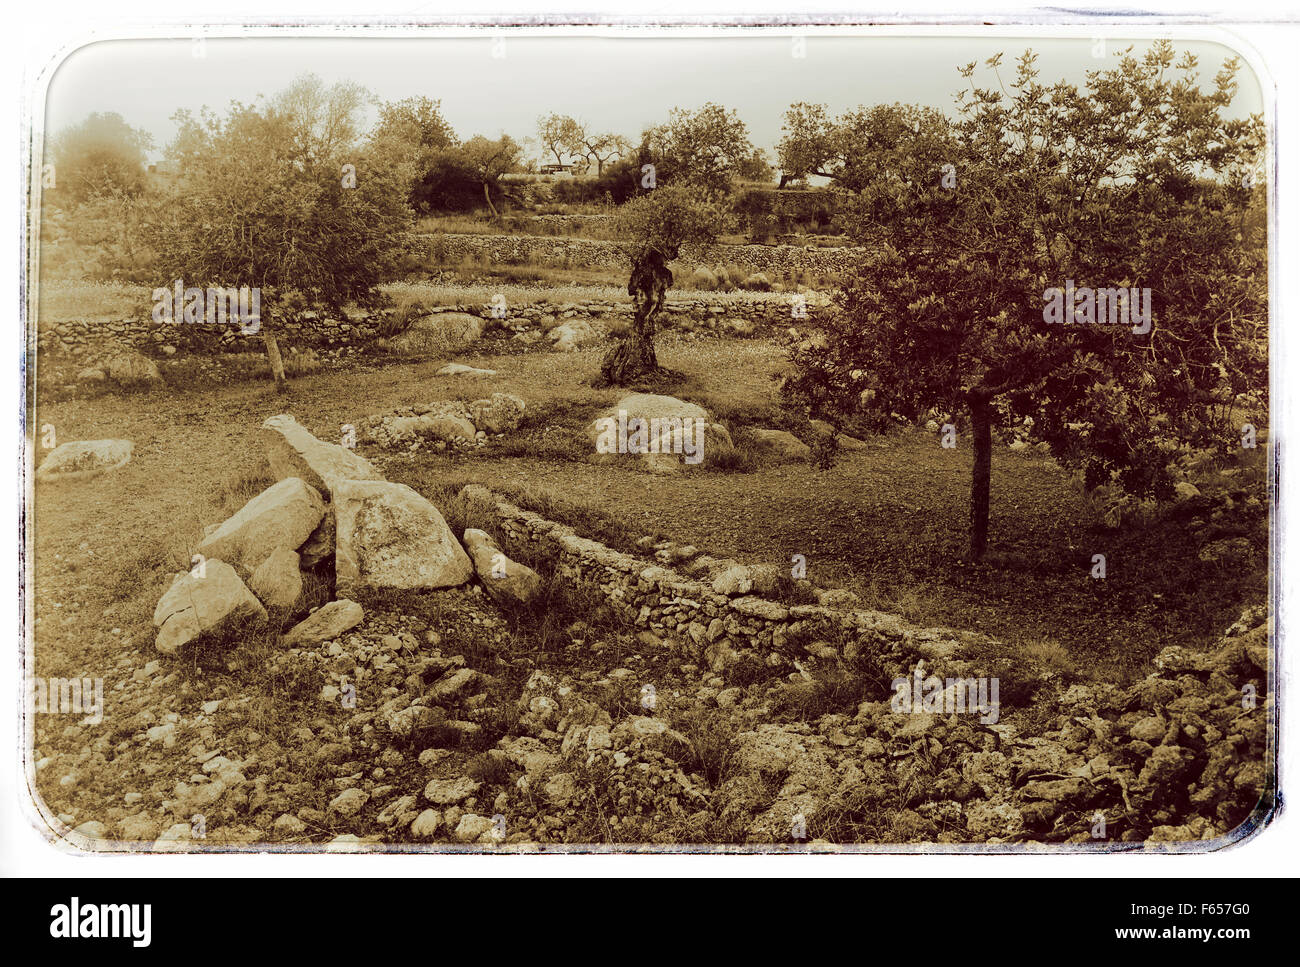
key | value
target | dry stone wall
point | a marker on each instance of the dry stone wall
(93, 340)
(712, 628)
(595, 254)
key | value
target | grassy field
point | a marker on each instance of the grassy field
(888, 522)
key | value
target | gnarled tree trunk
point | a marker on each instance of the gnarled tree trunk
(273, 355)
(634, 356)
(982, 440)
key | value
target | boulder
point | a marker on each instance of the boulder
(782, 444)
(277, 581)
(282, 516)
(211, 604)
(499, 414)
(507, 581)
(431, 426)
(131, 369)
(294, 452)
(84, 458)
(747, 579)
(574, 335)
(661, 447)
(325, 623)
(437, 334)
(388, 536)
(460, 369)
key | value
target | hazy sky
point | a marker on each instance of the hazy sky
(616, 83)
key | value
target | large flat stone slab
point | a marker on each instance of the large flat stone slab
(325, 623)
(197, 605)
(293, 452)
(82, 459)
(282, 516)
(388, 536)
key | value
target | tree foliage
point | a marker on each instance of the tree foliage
(707, 147)
(1137, 181)
(859, 145)
(103, 156)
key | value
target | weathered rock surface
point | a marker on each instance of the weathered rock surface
(500, 413)
(442, 332)
(82, 459)
(668, 437)
(209, 605)
(782, 444)
(325, 623)
(460, 369)
(507, 581)
(388, 536)
(132, 370)
(575, 334)
(294, 452)
(747, 579)
(282, 516)
(277, 581)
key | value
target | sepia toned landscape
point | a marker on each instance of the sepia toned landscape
(838, 443)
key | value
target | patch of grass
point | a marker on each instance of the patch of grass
(491, 770)
(833, 686)
(711, 735)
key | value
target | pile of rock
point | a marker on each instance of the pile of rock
(445, 423)
(1181, 757)
(330, 521)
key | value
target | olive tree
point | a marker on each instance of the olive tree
(655, 226)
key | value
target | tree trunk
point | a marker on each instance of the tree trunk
(979, 484)
(273, 357)
(487, 196)
(634, 355)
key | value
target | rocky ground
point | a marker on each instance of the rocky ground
(398, 733)
(445, 719)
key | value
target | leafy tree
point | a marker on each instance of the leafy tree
(560, 135)
(655, 225)
(103, 156)
(283, 198)
(601, 149)
(1138, 181)
(860, 145)
(412, 133)
(489, 160)
(707, 147)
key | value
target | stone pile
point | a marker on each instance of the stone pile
(331, 520)
(446, 423)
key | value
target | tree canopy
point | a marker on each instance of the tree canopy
(1135, 183)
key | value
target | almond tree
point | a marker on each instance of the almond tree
(490, 160)
(283, 198)
(560, 135)
(1140, 181)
